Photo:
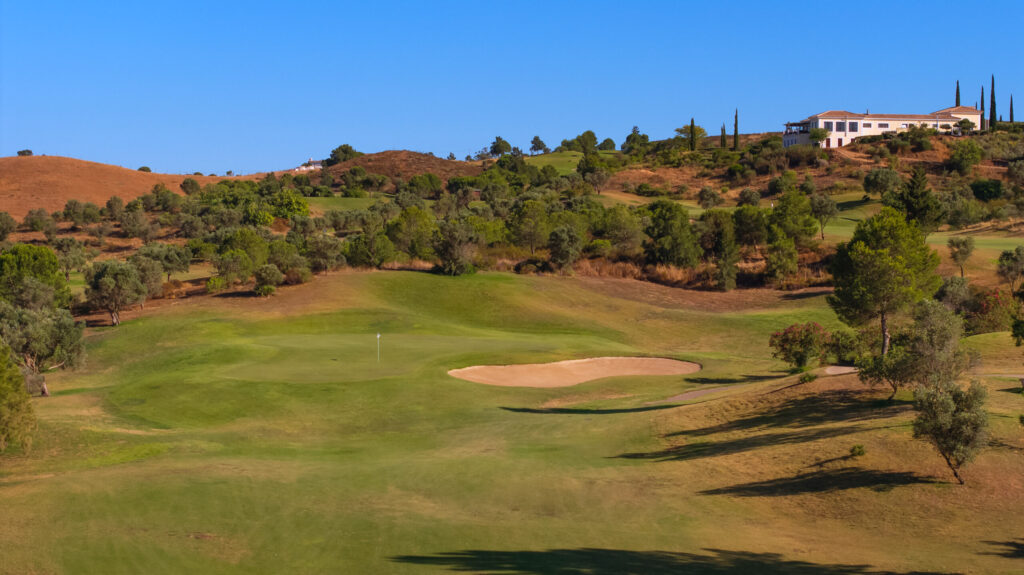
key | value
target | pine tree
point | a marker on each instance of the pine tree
(736, 127)
(992, 104)
(693, 133)
(958, 92)
(722, 140)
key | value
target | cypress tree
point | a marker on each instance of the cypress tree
(736, 126)
(693, 134)
(958, 92)
(983, 124)
(992, 104)
(721, 141)
(1011, 108)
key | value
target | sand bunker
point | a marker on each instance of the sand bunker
(572, 372)
(839, 370)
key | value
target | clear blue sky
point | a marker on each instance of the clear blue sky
(248, 86)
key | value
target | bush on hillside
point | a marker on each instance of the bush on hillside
(799, 344)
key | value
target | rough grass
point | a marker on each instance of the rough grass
(229, 437)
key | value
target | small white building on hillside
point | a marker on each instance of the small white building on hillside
(310, 164)
(844, 127)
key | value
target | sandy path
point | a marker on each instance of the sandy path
(695, 393)
(572, 372)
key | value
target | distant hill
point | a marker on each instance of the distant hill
(50, 181)
(405, 164)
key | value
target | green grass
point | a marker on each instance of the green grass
(564, 162)
(321, 205)
(264, 437)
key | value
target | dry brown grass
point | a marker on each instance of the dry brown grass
(50, 181)
(405, 164)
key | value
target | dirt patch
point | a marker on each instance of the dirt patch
(572, 372)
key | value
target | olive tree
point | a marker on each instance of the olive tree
(71, 255)
(17, 418)
(41, 340)
(952, 419)
(114, 286)
(823, 208)
(171, 258)
(960, 250)
(455, 243)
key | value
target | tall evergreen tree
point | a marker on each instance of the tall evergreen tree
(958, 92)
(885, 267)
(992, 104)
(916, 200)
(693, 134)
(736, 126)
(1011, 108)
(983, 121)
(722, 140)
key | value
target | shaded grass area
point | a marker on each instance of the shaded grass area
(627, 562)
(822, 482)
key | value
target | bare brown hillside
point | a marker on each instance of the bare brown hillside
(50, 181)
(405, 164)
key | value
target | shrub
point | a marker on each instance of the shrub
(987, 190)
(807, 377)
(966, 154)
(799, 343)
(648, 191)
(144, 169)
(880, 181)
(857, 451)
(844, 346)
(709, 198)
(1015, 172)
(265, 290)
(268, 275)
(749, 197)
(739, 174)
(990, 311)
(216, 284)
(24, 152)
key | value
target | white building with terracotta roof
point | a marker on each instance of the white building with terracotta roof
(844, 127)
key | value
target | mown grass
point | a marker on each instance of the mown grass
(226, 438)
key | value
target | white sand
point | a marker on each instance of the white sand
(572, 372)
(840, 369)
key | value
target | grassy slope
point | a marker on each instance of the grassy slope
(564, 162)
(229, 436)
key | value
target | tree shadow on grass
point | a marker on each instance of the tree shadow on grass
(1016, 390)
(1010, 549)
(737, 379)
(817, 409)
(796, 296)
(702, 449)
(583, 411)
(589, 561)
(825, 481)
